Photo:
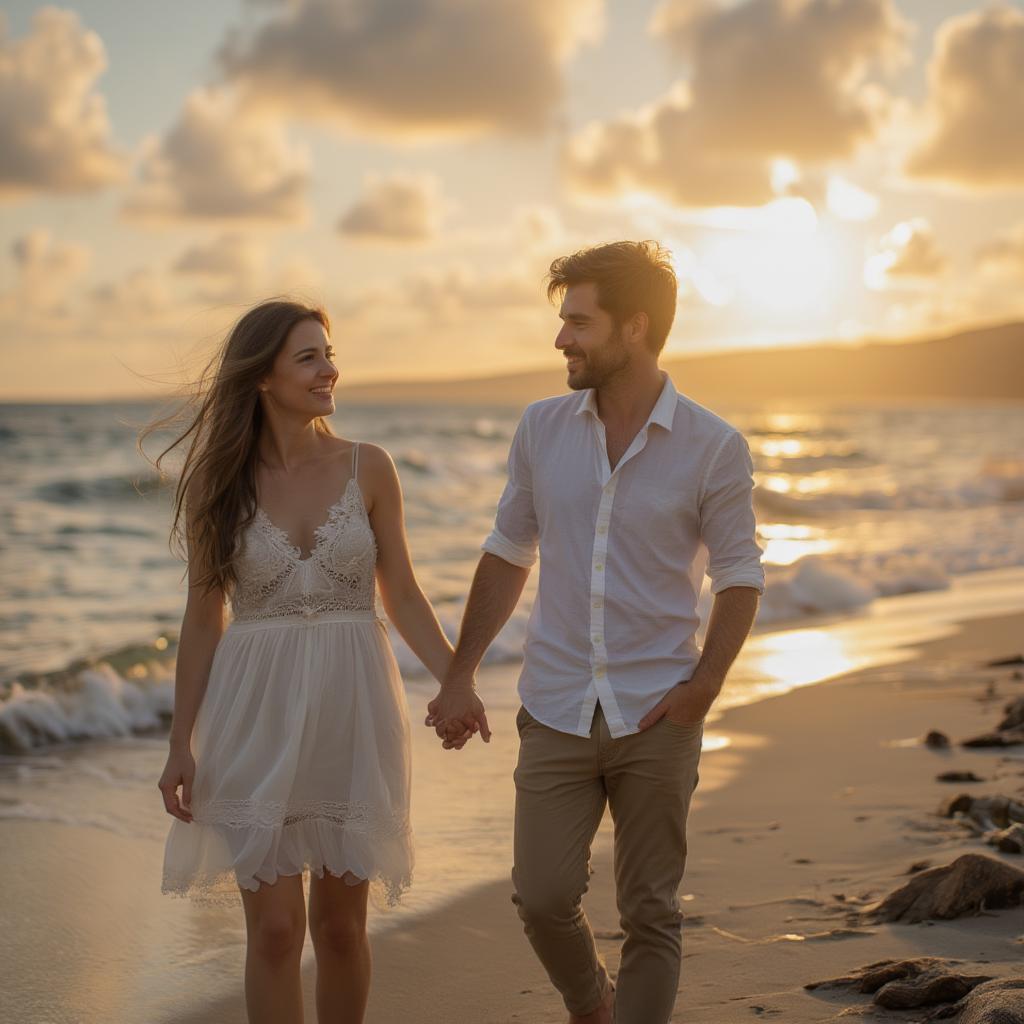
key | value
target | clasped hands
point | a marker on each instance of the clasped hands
(457, 714)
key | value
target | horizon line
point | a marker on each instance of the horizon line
(864, 341)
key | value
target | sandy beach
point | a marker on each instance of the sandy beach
(426, 228)
(820, 804)
(812, 804)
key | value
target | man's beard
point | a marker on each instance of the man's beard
(601, 365)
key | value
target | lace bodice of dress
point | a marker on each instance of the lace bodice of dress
(338, 576)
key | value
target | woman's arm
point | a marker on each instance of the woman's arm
(404, 602)
(201, 629)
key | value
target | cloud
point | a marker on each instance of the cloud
(976, 102)
(908, 255)
(46, 271)
(929, 312)
(55, 135)
(228, 255)
(228, 268)
(300, 277)
(233, 268)
(768, 79)
(459, 291)
(1004, 254)
(785, 77)
(140, 295)
(537, 226)
(397, 208)
(37, 254)
(422, 67)
(660, 150)
(219, 162)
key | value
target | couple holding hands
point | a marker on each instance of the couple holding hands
(290, 739)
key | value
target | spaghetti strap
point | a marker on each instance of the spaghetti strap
(355, 459)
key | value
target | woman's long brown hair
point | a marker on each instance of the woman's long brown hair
(215, 497)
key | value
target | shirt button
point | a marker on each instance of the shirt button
(597, 638)
(599, 566)
(598, 604)
(599, 672)
(602, 530)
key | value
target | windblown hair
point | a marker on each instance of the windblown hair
(220, 422)
(631, 278)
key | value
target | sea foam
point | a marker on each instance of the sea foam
(98, 703)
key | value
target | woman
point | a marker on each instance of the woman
(290, 739)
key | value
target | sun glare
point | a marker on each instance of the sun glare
(785, 174)
(850, 202)
(776, 260)
(695, 277)
(769, 259)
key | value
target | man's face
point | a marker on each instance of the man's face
(589, 340)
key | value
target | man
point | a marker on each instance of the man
(617, 485)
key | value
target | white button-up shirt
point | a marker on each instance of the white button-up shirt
(621, 551)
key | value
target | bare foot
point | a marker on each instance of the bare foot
(604, 1014)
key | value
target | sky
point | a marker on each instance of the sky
(820, 170)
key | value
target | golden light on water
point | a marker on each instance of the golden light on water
(790, 422)
(775, 663)
(800, 657)
(715, 741)
(786, 543)
(817, 484)
(778, 448)
(778, 484)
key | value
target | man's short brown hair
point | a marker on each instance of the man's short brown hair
(631, 278)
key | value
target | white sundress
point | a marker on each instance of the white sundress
(301, 742)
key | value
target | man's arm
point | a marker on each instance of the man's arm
(728, 529)
(732, 615)
(497, 586)
(456, 713)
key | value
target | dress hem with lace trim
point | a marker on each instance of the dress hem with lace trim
(348, 821)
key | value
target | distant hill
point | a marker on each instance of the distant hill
(983, 363)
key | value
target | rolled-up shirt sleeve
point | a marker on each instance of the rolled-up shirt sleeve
(515, 534)
(727, 523)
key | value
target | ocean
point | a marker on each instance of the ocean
(882, 526)
(853, 504)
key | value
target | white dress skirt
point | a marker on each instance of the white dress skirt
(301, 742)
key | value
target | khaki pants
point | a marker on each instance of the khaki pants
(562, 785)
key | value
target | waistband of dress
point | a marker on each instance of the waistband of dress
(317, 619)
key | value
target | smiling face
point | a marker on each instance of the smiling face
(303, 375)
(589, 339)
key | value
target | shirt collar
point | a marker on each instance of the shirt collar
(587, 403)
(663, 413)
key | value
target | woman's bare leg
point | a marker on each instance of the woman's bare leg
(337, 926)
(275, 919)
